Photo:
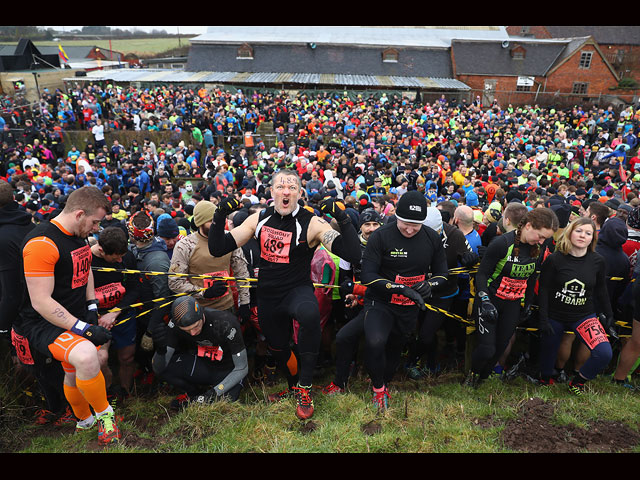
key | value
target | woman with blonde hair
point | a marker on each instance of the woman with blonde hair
(573, 297)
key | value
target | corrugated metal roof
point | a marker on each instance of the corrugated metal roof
(180, 76)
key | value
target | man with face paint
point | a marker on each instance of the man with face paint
(288, 235)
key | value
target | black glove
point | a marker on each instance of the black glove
(227, 206)
(159, 336)
(487, 310)
(481, 250)
(94, 333)
(469, 259)
(346, 288)
(217, 289)
(424, 289)
(608, 325)
(335, 209)
(528, 315)
(245, 313)
(414, 296)
(92, 312)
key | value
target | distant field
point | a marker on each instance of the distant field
(138, 46)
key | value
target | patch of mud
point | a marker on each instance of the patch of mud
(533, 431)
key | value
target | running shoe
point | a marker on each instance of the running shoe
(304, 402)
(381, 399)
(87, 424)
(108, 431)
(66, 418)
(546, 382)
(623, 383)
(472, 380)
(181, 401)
(332, 389)
(44, 417)
(415, 372)
(576, 387)
(278, 396)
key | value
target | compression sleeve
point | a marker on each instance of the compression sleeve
(220, 242)
(40, 256)
(240, 370)
(547, 274)
(160, 361)
(496, 250)
(347, 244)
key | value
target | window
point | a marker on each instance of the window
(245, 52)
(390, 55)
(585, 59)
(523, 88)
(580, 88)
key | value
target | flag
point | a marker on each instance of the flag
(62, 54)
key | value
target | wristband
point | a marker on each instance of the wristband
(92, 305)
(80, 327)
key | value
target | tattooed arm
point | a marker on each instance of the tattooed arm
(343, 243)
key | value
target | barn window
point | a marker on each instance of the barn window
(245, 52)
(390, 55)
(585, 59)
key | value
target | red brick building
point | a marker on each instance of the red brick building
(530, 71)
(620, 44)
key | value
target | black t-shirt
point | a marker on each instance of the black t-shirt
(220, 338)
(391, 256)
(285, 255)
(507, 271)
(571, 288)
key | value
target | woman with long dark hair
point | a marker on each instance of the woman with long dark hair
(572, 296)
(505, 277)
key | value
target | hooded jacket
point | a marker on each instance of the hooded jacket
(612, 237)
(15, 224)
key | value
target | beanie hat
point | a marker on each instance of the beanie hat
(412, 207)
(185, 311)
(168, 228)
(471, 199)
(633, 220)
(203, 213)
(563, 212)
(369, 215)
(434, 219)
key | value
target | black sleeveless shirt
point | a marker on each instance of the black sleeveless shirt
(285, 255)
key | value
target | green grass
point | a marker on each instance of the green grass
(430, 416)
(140, 46)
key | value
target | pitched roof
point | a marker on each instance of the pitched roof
(603, 34)
(494, 58)
(406, 36)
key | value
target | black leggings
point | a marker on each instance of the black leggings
(493, 338)
(347, 341)
(193, 374)
(276, 314)
(387, 330)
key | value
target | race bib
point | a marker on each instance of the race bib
(81, 259)
(212, 353)
(21, 345)
(409, 282)
(512, 288)
(592, 333)
(109, 296)
(275, 245)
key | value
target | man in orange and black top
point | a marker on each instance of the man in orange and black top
(59, 315)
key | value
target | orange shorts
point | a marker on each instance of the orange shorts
(62, 346)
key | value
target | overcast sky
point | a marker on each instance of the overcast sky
(189, 29)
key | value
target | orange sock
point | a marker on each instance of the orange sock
(78, 403)
(95, 392)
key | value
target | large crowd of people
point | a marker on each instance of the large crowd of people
(365, 231)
